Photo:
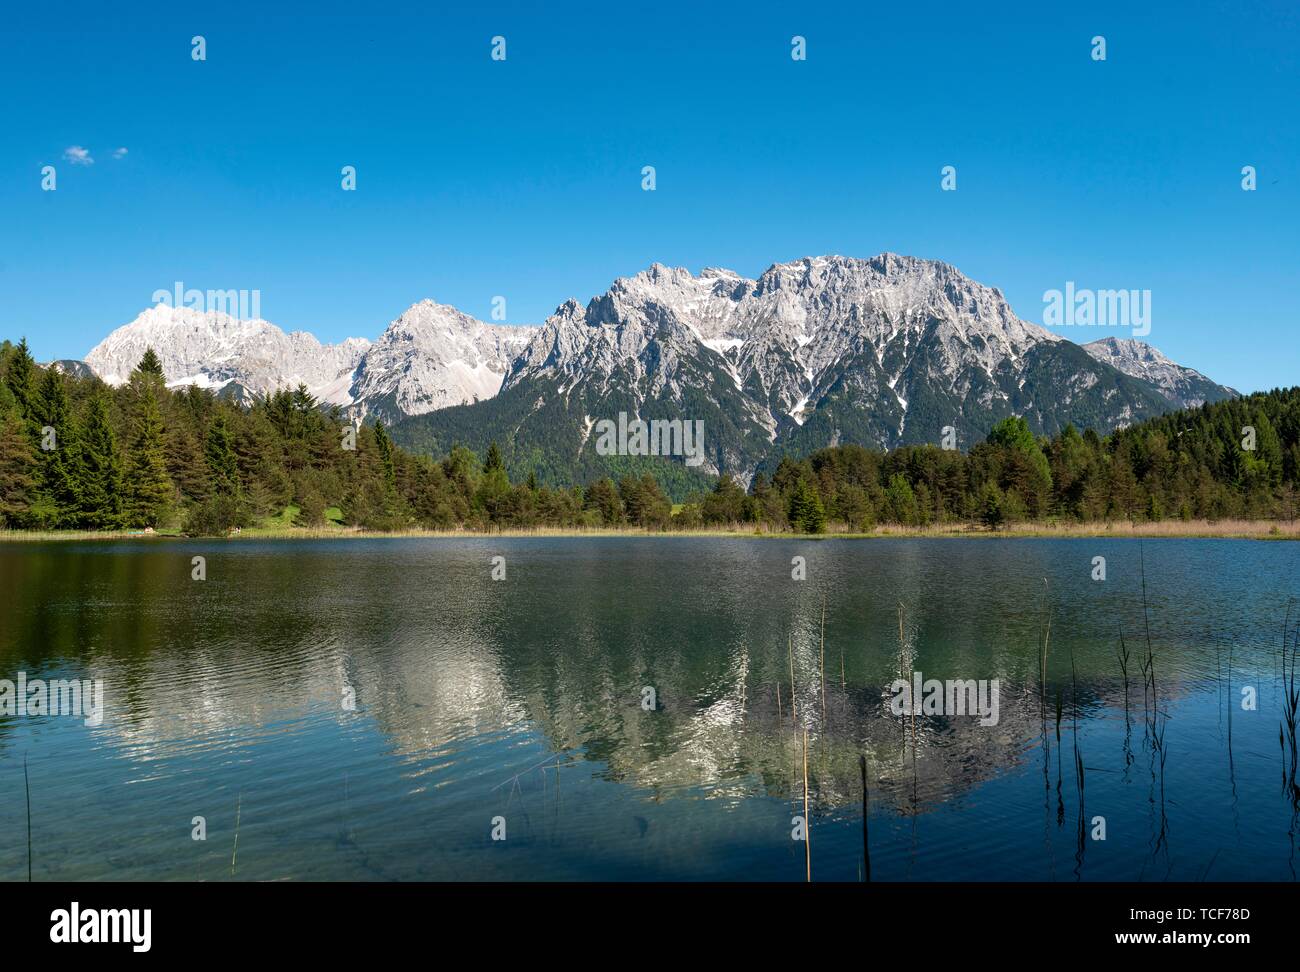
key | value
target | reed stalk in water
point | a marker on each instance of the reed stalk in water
(807, 824)
(823, 659)
(239, 806)
(907, 677)
(1078, 756)
(794, 707)
(27, 786)
(1123, 654)
(1290, 710)
(1045, 635)
(866, 812)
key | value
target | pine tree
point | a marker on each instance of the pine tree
(493, 461)
(901, 500)
(149, 489)
(16, 463)
(814, 518)
(21, 380)
(56, 457)
(186, 465)
(991, 511)
(149, 364)
(99, 470)
(602, 496)
(807, 514)
(384, 446)
(798, 503)
(303, 401)
(220, 455)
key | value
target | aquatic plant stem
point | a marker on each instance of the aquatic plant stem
(239, 806)
(866, 812)
(27, 786)
(823, 660)
(807, 824)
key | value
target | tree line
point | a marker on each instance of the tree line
(1238, 458)
(78, 454)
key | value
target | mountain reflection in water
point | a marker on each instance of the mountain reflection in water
(522, 698)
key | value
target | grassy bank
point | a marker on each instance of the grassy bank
(278, 528)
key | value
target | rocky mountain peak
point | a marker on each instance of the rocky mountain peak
(433, 356)
(1184, 387)
(213, 349)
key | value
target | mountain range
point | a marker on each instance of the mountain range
(884, 351)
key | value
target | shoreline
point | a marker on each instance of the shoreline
(1163, 529)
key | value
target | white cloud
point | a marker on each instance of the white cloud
(77, 155)
(119, 153)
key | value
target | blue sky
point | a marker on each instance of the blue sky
(522, 178)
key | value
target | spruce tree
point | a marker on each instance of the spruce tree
(384, 446)
(186, 465)
(149, 489)
(99, 471)
(149, 364)
(991, 506)
(806, 512)
(16, 463)
(814, 518)
(220, 456)
(56, 466)
(21, 380)
(493, 461)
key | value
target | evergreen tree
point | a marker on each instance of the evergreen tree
(304, 402)
(991, 504)
(901, 500)
(149, 490)
(20, 379)
(727, 503)
(807, 514)
(16, 463)
(603, 497)
(644, 502)
(186, 465)
(220, 455)
(798, 504)
(814, 519)
(56, 475)
(1028, 472)
(384, 445)
(1268, 449)
(149, 364)
(99, 473)
(491, 499)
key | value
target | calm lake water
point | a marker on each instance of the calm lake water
(522, 699)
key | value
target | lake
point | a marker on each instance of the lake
(380, 709)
